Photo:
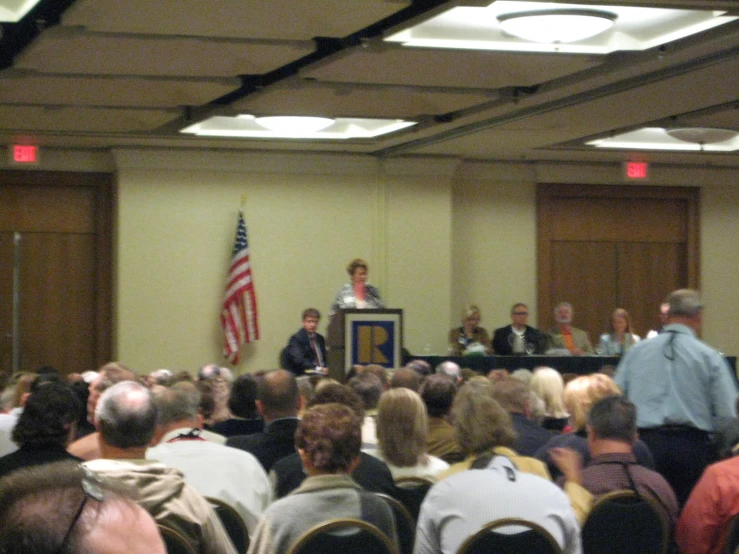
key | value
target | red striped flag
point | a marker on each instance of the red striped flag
(239, 315)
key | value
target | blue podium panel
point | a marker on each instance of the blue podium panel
(373, 338)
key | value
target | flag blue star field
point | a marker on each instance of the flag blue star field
(239, 316)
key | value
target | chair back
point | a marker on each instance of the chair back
(411, 491)
(491, 539)
(625, 522)
(731, 546)
(174, 541)
(232, 522)
(340, 536)
(405, 525)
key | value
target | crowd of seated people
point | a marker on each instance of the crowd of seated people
(288, 452)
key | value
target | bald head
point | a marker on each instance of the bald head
(278, 395)
(126, 416)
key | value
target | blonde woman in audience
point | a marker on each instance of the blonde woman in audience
(548, 385)
(579, 396)
(470, 338)
(402, 431)
(619, 338)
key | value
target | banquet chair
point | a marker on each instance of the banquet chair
(232, 522)
(343, 535)
(625, 522)
(174, 541)
(405, 525)
(532, 539)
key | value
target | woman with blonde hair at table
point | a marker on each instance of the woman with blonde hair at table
(470, 338)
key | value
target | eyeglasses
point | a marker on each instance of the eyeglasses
(520, 313)
(91, 489)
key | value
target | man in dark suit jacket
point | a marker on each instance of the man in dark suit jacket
(279, 402)
(306, 350)
(519, 338)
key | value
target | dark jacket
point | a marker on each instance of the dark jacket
(299, 356)
(502, 342)
(276, 442)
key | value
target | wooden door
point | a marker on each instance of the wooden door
(602, 248)
(63, 221)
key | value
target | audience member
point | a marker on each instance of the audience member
(215, 392)
(515, 398)
(371, 474)
(483, 427)
(680, 386)
(422, 367)
(245, 418)
(402, 431)
(619, 337)
(44, 429)
(379, 371)
(548, 385)
(279, 402)
(88, 447)
(566, 337)
(163, 377)
(62, 508)
(524, 375)
(580, 395)
(450, 369)
(214, 470)
(369, 388)
(664, 316)
(459, 505)
(81, 390)
(611, 437)
(437, 392)
(406, 378)
(705, 520)
(470, 338)
(306, 349)
(518, 337)
(328, 441)
(126, 419)
(212, 371)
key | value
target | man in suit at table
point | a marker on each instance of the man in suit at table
(518, 337)
(565, 336)
(306, 350)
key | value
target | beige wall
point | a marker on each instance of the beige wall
(436, 233)
(307, 217)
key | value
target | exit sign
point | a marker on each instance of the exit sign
(636, 171)
(24, 154)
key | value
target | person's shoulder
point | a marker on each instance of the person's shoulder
(289, 464)
(245, 442)
(502, 330)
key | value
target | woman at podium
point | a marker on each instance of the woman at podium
(357, 293)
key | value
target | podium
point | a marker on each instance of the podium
(362, 337)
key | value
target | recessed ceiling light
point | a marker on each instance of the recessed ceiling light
(702, 135)
(284, 127)
(292, 124)
(657, 138)
(558, 25)
(636, 28)
(12, 11)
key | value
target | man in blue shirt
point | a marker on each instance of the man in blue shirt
(680, 386)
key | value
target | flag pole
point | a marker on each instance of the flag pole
(243, 201)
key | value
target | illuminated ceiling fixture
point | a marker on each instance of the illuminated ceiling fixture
(702, 135)
(556, 26)
(295, 127)
(12, 11)
(658, 138)
(294, 124)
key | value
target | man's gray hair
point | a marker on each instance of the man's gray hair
(560, 304)
(176, 404)
(127, 415)
(685, 303)
(449, 368)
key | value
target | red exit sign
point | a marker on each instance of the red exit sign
(636, 171)
(24, 154)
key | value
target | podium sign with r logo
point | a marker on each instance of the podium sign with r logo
(374, 338)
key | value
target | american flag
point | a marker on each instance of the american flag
(239, 315)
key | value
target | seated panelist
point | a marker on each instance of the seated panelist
(470, 338)
(619, 338)
(566, 337)
(306, 350)
(518, 337)
(357, 293)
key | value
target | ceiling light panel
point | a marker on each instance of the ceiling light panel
(658, 138)
(635, 28)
